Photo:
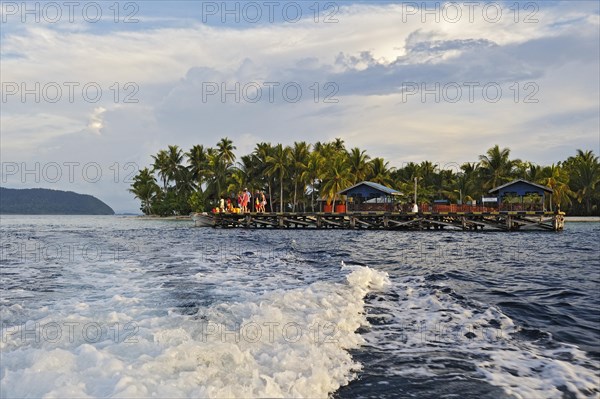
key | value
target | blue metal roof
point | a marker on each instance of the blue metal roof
(376, 186)
(518, 183)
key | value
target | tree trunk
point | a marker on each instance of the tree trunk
(295, 192)
(588, 205)
(312, 197)
(270, 196)
(281, 192)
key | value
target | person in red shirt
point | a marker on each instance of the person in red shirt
(240, 201)
(245, 200)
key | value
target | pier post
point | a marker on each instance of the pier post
(558, 222)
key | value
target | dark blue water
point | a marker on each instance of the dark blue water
(467, 314)
(548, 284)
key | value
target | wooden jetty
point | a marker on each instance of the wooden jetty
(475, 221)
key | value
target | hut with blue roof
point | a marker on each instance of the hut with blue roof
(523, 195)
(369, 196)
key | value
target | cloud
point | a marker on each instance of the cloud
(154, 76)
(96, 121)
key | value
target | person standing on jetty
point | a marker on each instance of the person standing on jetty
(245, 200)
(240, 201)
(263, 202)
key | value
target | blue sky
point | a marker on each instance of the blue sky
(408, 81)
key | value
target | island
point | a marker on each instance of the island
(41, 201)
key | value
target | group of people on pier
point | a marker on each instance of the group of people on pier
(243, 203)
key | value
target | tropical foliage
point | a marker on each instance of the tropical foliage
(297, 177)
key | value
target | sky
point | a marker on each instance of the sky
(90, 90)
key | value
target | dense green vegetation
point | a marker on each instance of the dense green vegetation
(294, 177)
(41, 201)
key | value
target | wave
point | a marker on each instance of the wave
(284, 343)
(425, 330)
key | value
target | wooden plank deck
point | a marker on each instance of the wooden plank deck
(494, 221)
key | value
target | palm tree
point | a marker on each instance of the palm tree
(403, 178)
(405, 174)
(144, 188)
(358, 162)
(584, 176)
(313, 173)
(338, 145)
(496, 166)
(278, 165)
(174, 159)
(558, 181)
(218, 171)
(198, 163)
(444, 180)
(380, 172)
(299, 161)
(330, 150)
(161, 165)
(587, 156)
(238, 178)
(336, 178)
(427, 171)
(184, 183)
(225, 148)
(533, 173)
(466, 182)
(244, 174)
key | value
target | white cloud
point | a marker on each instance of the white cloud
(96, 120)
(369, 54)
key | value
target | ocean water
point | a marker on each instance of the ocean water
(122, 307)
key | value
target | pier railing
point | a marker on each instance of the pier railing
(479, 208)
(456, 208)
(427, 208)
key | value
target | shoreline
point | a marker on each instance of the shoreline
(586, 219)
(152, 217)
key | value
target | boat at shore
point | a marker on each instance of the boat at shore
(203, 219)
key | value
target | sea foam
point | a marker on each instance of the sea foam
(283, 343)
(428, 325)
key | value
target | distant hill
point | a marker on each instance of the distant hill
(41, 201)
